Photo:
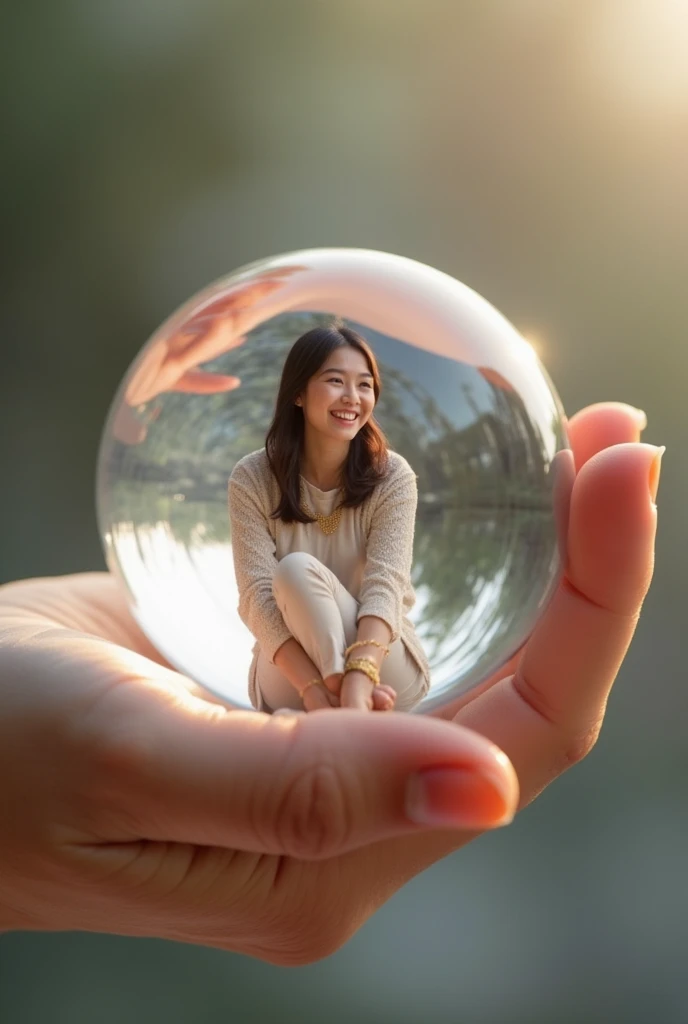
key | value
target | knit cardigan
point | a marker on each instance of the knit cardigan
(387, 518)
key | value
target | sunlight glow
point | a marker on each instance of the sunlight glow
(641, 48)
(533, 344)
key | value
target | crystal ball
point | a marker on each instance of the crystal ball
(464, 400)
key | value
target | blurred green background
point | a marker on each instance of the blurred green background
(538, 151)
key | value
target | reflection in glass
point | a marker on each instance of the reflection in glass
(464, 400)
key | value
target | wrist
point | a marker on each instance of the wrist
(369, 653)
(357, 676)
(370, 649)
(305, 688)
(364, 667)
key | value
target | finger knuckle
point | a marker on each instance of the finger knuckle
(534, 697)
(580, 745)
(305, 948)
(573, 741)
(320, 929)
(314, 817)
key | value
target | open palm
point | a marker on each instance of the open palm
(133, 803)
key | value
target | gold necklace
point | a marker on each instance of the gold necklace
(328, 524)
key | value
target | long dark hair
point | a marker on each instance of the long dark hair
(366, 462)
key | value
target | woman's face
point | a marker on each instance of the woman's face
(340, 398)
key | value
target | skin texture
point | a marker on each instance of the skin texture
(131, 803)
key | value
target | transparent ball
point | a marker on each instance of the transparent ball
(464, 400)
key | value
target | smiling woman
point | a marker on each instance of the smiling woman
(340, 398)
(464, 401)
(332, 377)
(322, 523)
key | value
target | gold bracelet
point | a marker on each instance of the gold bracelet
(365, 665)
(312, 682)
(366, 643)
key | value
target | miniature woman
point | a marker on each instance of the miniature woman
(322, 525)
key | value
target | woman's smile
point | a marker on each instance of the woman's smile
(345, 416)
(341, 395)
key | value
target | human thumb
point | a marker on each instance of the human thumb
(309, 786)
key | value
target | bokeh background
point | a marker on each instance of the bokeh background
(535, 149)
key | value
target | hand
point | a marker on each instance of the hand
(357, 691)
(131, 802)
(319, 698)
(171, 363)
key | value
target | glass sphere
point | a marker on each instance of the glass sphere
(464, 400)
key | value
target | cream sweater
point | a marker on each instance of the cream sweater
(370, 552)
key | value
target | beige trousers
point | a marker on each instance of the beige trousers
(321, 614)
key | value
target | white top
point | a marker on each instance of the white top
(370, 553)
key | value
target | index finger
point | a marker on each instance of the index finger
(548, 714)
(590, 431)
(602, 425)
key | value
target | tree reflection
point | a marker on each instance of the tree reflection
(485, 508)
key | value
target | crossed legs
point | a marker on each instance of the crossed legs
(321, 614)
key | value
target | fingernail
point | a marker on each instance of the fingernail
(641, 417)
(458, 798)
(655, 469)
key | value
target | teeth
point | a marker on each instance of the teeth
(345, 415)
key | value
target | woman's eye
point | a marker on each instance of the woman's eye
(338, 380)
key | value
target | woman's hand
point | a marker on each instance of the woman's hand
(319, 698)
(130, 802)
(357, 691)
